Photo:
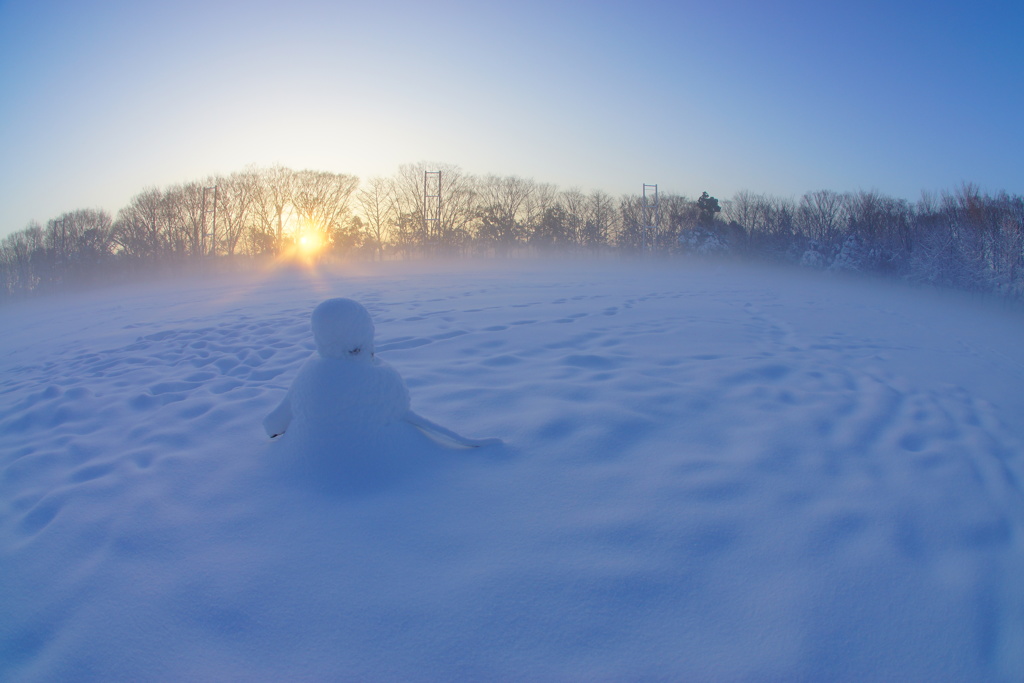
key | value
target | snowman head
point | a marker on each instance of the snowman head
(342, 328)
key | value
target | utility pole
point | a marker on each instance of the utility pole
(60, 245)
(431, 205)
(651, 217)
(213, 231)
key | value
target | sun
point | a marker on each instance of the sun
(305, 246)
(310, 244)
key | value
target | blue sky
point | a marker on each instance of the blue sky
(103, 99)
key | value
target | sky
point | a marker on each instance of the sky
(100, 100)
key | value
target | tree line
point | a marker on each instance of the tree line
(963, 238)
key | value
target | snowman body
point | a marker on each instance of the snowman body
(347, 411)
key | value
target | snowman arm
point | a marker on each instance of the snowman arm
(436, 431)
(276, 423)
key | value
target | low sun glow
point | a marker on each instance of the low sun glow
(305, 248)
(305, 245)
(310, 244)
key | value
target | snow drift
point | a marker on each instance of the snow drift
(709, 473)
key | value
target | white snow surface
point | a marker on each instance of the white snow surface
(708, 473)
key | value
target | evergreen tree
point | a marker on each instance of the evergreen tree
(707, 207)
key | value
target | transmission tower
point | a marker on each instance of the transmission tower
(432, 206)
(651, 217)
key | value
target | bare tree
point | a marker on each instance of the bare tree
(377, 206)
(600, 221)
(753, 212)
(184, 216)
(236, 196)
(321, 202)
(574, 202)
(78, 242)
(138, 231)
(536, 206)
(506, 194)
(500, 211)
(272, 202)
(19, 253)
(823, 215)
(679, 216)
(629, 236)
(458, 195)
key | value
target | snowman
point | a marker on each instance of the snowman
(344, 390)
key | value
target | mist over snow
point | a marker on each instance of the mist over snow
(707, 472)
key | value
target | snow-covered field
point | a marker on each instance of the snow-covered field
(708, 473)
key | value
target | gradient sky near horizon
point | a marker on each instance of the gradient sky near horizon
(102, 99)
